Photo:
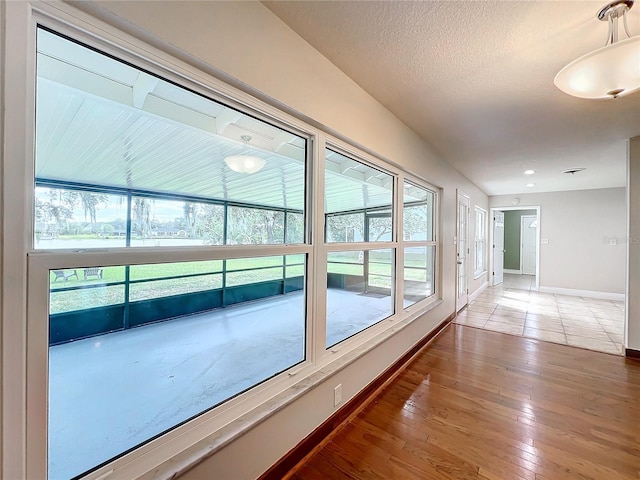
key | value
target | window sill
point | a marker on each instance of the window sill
(203, 449)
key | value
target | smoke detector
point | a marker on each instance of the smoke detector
(573, 170)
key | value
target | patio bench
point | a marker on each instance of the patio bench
(92, 272)
(64, 275)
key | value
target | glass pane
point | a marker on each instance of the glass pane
(295, 228)
(480, 240)
(163, 270)
(379, 227)
(82, 288)
(295, 265)
(419, 268)
(254, 276)
(295, 271)
(359, 292)
(462, 248)
(418, 213)
(241, 271)
(113, 387)
(84, 298)
(380, 263)
(162, 222)
(251, 263)
(250, 226)
(72, 277)
(160, 141)
(345, 228)
(66, 218)
(295, 259)
(479, 256)
(176, 286)
(350, 263)
(351, 189)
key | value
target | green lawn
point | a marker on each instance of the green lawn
(209, 276)
(240, 271)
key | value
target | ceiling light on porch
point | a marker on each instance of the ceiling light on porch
(608, 72)
(530, 185)
(245, 163)
(529, 172)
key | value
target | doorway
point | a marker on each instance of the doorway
(462, 251)
(517, 228)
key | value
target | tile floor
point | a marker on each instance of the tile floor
(515, 308)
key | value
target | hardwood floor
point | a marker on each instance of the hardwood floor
(483, 405)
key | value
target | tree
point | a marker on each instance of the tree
(90, 202)
(54, 208)
(190, 210)
(211, 224)
(141, 217)
(379, 227)
(273, 222)
(416, 222)
(295, 228)
(343, 228)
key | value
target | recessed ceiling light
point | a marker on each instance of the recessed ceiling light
(529, 172)
(531, 185)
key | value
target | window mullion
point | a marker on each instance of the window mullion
(317, 317)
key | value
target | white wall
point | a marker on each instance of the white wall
(633, 292)
(579, 226)
(246, 43)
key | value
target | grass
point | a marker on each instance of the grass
(240, 271)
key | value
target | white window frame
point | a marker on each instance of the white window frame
(434, 242)
(26, 272)
(179, 438)
(480, 237)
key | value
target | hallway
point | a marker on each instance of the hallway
(515, 308)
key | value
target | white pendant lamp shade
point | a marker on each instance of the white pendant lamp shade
(245, 163)
(608, 72)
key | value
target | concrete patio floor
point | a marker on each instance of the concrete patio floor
(110, 393)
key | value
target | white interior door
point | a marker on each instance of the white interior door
(498, 248)
(462, 251)
(528, 244)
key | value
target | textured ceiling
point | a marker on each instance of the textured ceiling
(475, 80)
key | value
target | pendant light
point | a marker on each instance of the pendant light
(245, 163)
(608, 72)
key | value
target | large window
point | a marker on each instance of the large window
(113, 388)
(420, 245)
(480, 242)
(172, 266)
(360, 283)
(128, 160)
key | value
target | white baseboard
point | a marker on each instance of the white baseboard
(516, 272)
(583, 293)
(476, 293)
